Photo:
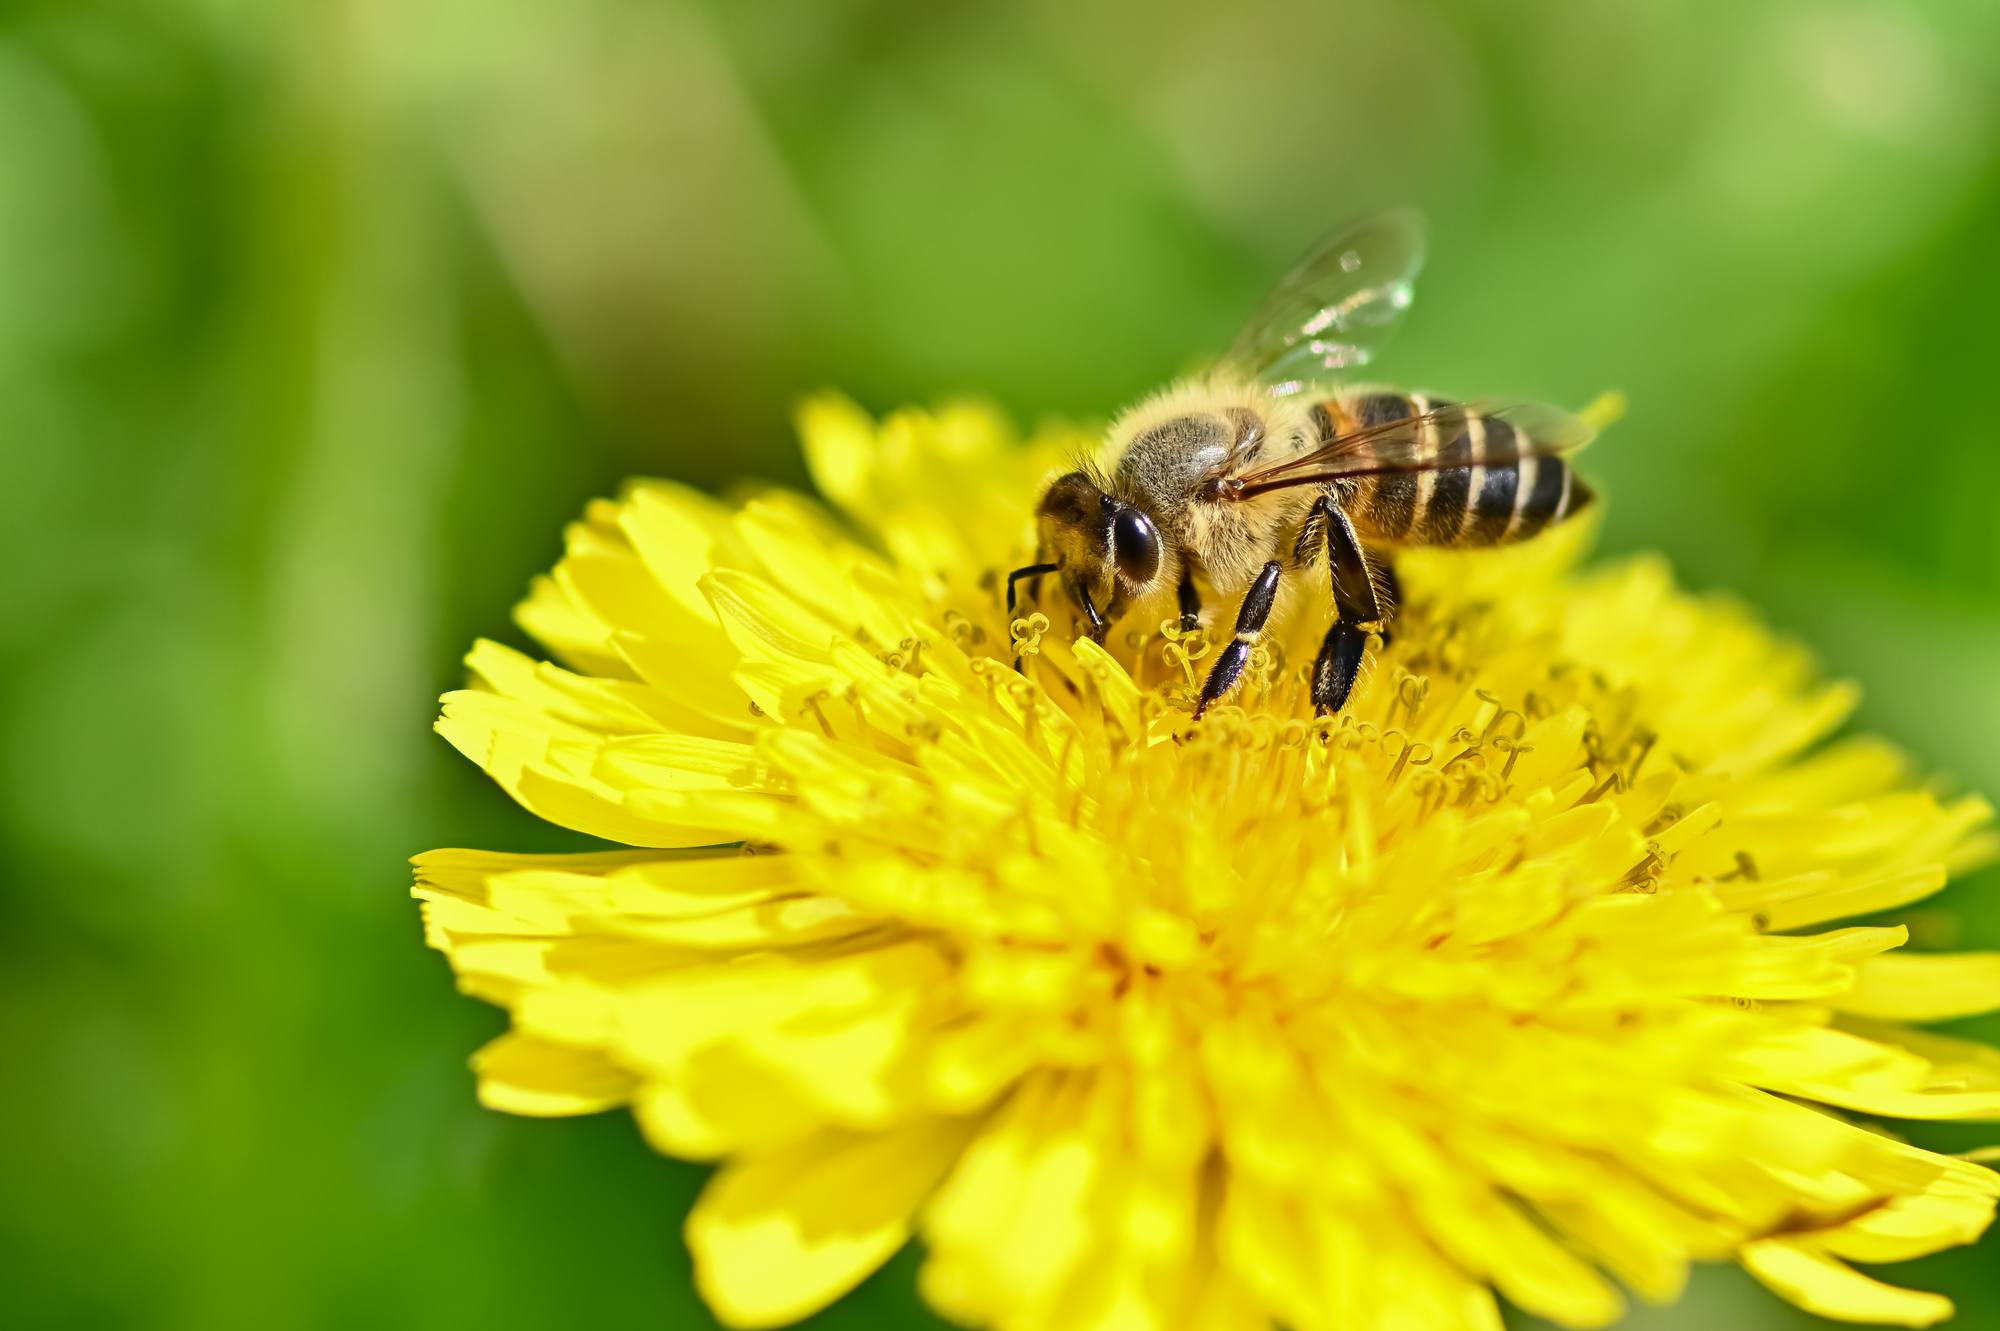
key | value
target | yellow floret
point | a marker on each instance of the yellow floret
(1521, 973)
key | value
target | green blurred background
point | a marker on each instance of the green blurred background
(317, 320)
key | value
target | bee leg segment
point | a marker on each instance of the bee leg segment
(1391, 595)
(1359, 609)
(1031, 571)
(1353, 590)
(1392, 586)
(1338, 665)
(1312, 533)
(1229, 665)
(1190, 600)
(1098, 628)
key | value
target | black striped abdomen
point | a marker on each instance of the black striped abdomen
(1386, 505)
(1549, 492)
(1451, 495)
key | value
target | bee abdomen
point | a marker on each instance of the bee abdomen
(1509, 499)
(1547, 492)
(1468, 504)
(1389, 505)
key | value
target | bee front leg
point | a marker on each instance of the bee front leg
(1190, 599)
(1031, 571)
(1098, 627)
(1257, 603)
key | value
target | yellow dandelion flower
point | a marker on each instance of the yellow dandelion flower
(1513, 977)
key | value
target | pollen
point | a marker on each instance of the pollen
(1524, 976)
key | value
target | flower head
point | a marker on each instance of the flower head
(1513, 975)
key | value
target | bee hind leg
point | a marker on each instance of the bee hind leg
(1354, 590)
(1361, 605)
(1257, 603)
(1389, 591)
(1338, 666)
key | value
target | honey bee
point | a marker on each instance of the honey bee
(1251, 477)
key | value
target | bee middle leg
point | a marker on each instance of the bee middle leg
(1358, 608)
(1257, 603)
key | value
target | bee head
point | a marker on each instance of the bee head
(1108, 551)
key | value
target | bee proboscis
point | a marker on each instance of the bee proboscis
(1251, 476)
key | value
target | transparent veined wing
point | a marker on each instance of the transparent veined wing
(1448, 436)
(1336, 309)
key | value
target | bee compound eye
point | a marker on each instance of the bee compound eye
(1135, 545)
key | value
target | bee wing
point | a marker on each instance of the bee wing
(1336, 309)
(1440, 439)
